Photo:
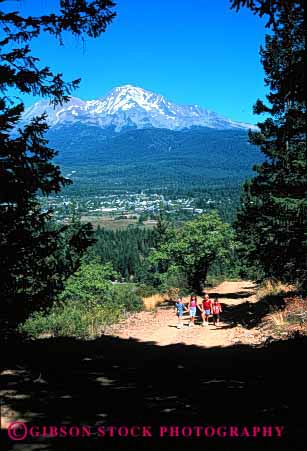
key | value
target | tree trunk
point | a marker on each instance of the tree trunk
(198, 278)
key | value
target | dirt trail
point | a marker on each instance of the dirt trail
(160, 326)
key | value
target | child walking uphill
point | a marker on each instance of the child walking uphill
(216, 310)
(192, 306)
(180, 309)
(206, 309)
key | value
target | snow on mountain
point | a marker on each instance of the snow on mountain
(129, 105)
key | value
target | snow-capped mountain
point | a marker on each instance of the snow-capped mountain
(129, 105)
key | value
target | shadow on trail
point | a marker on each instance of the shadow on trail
(111, 381)
(238, 295)
(247, 314)
(250, 314)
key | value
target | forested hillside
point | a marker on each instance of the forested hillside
(153, 158)
(125, 249)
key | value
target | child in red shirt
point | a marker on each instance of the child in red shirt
(206, 309)
(216, 310)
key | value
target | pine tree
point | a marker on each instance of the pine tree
(272, 219)
(163, 229)
(36, 256)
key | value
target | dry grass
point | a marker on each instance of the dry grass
(291, 314)
(151, 302)
(296, 311)
(278, 318)
(293, 317)
(273, 288)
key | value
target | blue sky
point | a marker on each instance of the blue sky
(195, 52)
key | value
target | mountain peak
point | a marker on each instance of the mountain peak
(133, 98)
(131, 88)
(128, 87)
(130, 105)
(134, 91)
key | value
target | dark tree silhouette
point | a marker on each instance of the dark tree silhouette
(272, 219)
(36, 256)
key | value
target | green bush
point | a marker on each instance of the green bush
(89, 303)
(145, 291)
(174, 277)
(91, 282)
(35, 325)
(72, 319)
(128, 297)
(214, 280)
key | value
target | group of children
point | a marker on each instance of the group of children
(206, 307)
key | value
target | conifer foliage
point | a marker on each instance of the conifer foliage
(36, 256)
(272, 220)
